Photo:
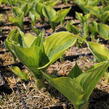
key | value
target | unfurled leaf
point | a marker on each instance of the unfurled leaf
(56, 44)
(103, 30)
(100, 52)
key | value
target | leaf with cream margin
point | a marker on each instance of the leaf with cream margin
(100, 52)
(78, 88)
(56, 44)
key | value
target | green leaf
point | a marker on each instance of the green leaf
(76, 71)
(79, 16)
(29, 39)
(60, 15)
(16, 70)
(102, 13)
(96, 11)
(34, 17)
(17, 11)
(89, 79)
(17, 20)
(31, 57)
(83, 18)
(103, 30)
(72, 28)
(78, 89)
(14, 37)
(70, 88)
(86, 30)
(93, 27)
(51, 3)
(56, 44)
(85, 4)
(39, 8)
(28, 56)
(49, 12)
(100, 52)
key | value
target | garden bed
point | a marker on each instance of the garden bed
(17, 94)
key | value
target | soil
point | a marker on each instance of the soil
(17, 94)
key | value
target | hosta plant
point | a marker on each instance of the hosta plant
(82, 28)
(54, 17)
(37, 52)
(84, 4)
(100, 12)
(78, 85)
(98, 29)
(87, 28)
(40, 5)
(17, 17)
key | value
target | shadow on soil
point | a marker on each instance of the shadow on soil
(5, 89)
(74, 57)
